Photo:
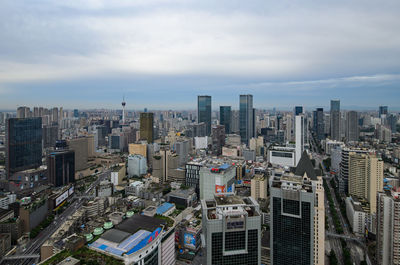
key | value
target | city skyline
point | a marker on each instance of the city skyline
(89, 53)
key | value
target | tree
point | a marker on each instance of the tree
(332, 258)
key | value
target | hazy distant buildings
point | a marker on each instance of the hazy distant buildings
(383, 111)
(319, 124)
(335, 120)
(23, 144)
(246, 118)
(225, 118)
(146, 126)
(298, 110)
(204, 112)
(50, 136)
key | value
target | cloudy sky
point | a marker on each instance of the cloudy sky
(163, 53)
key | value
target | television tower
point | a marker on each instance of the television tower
(123, 110)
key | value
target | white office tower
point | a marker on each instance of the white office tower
(299, 127)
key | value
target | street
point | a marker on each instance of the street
(33, 246)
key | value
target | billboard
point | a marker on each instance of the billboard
(189, 241)
(219, 188)
(61, 198)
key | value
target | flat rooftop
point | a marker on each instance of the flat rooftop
(228, 200)
(136, 222)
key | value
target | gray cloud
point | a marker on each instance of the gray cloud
(272, 40)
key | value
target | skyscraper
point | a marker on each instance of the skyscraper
(299, 127)
(218, 139)
(319, 124)
(298, 110)
(232, 230)
(225, 118)
(246, 118)
(146, 126)
(352, 131)
(23, 144)
(297, 217)
(383, 111)
(335, 120)
(204, 111)
(344, 167)
(61, 167)
(388, 231)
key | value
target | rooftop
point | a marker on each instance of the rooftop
(137, 222)
(228, 200)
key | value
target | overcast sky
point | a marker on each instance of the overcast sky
(161, 54)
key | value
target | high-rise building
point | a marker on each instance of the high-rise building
(50, 135)
(259, 187)
(352, 131)
(215, 178)
(23, 112)
(298, 110)
(344, 166)
(383, 111)
(232, 230)
(388, 228)
(61, 167)
(300, 132)
(297, 217)
(146, 126)
(76, 113)
(335, 120)
(365, 177)
(182, 149)
(225, 118)
(54, 115)
(204, 112)
(218, 139)
(23, 144)
(235, 128)
(246, 118)
(392, 122)
(319, 124)
(80, 146)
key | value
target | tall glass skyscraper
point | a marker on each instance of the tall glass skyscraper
(24, 144)
(335, 120)
(383, 110)
(204, 111)
(298, 110)
(225, 118)
(319, 125)
(246, 118)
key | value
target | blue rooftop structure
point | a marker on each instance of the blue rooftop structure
(164, 208)
(224, 166)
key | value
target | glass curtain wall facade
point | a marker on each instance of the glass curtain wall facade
(24, 144)
(246, 118)
(204, 112)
